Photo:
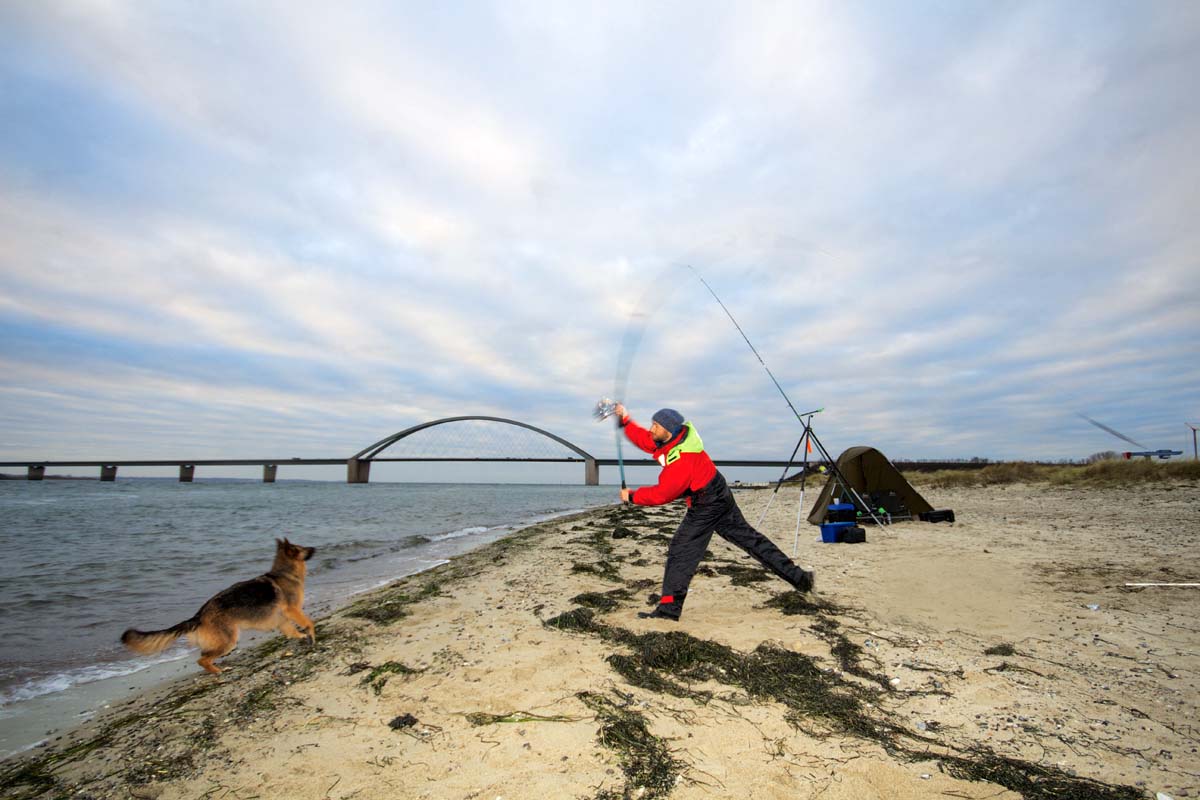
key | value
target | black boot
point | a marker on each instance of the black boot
(657, 613)
(806, 581)
(669, 607)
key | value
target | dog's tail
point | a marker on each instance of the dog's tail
(147, 642)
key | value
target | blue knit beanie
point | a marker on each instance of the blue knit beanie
(670, 419)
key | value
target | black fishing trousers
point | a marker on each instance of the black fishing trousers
(715, 511)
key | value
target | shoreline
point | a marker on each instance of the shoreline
(96, 730)
(31, 721)
(514, 659)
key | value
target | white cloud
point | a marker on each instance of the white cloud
(943, 227)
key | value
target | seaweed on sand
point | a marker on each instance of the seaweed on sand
(637, 674)
(742, 575)
(34, 776)
(386, 607)
(597, 539)
(1032, 781)
(650, 769)
(377, 678)
(601, 601)
(792, 603)
(659, 661)
(580, 620)
(480, 718)
(605, 570)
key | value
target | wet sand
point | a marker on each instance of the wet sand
(468, 682)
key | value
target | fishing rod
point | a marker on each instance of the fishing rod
(634, 330)
(807, 423)
(786, 399)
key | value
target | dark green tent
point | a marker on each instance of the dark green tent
(867, 470)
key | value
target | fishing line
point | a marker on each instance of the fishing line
(634, 330)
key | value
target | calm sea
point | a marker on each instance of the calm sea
(81, 561)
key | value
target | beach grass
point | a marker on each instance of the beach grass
(1108, 473)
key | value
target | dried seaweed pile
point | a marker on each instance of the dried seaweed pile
(377, 678)
(744, 574)
(387, 606)
(601, 601)
(605, 570)
(673, 662)
(818, 700)
(650, 769)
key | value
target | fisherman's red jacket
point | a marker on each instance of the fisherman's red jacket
(686, 467)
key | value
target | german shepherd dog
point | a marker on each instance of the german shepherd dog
(268, 602)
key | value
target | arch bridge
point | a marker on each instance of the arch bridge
(358, 468)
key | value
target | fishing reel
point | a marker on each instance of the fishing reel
(604, 409)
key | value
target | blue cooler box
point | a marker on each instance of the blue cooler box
(830, 531)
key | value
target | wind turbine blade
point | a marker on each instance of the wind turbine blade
(1117, 434)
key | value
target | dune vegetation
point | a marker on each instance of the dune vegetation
(1112, 472)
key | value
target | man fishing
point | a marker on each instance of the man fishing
(689, 472)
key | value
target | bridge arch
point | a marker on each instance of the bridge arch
(360, 463)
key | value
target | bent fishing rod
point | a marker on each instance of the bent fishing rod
(754, 350)
(805, 420)
(603, 410)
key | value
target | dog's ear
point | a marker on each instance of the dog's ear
(280, 542)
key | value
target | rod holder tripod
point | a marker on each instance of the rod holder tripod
(807, 437)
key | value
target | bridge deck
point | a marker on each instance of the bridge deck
(603, 462)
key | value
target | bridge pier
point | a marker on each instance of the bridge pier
(358, 471)
(269, 472)
(186, 472)
(35, 472)
(591, 472)
(108, 473)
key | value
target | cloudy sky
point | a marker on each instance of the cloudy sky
(274, 230)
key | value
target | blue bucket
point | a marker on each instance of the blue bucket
(830, 531)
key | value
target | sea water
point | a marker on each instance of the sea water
(81, 561)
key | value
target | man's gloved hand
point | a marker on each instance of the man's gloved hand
(627, 495)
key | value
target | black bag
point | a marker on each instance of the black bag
(940, 515)
(852, 535)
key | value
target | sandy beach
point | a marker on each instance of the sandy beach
(1000, 656)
